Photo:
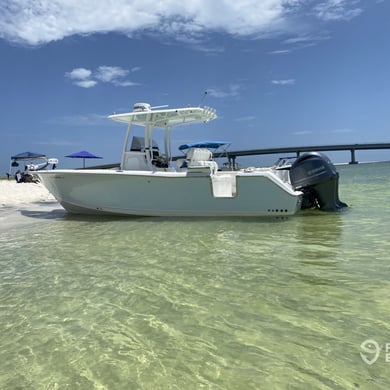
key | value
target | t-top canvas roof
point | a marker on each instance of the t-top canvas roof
(204, 144)
(166, 118)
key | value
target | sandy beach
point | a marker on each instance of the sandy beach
(14, 194)
(22, 203)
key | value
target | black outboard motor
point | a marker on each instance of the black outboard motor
(315, 175)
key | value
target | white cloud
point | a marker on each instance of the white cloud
(86, 78)
(306, 39)
(283, 82)
(232, 91)
(337, 10)
(280, 52)
(110, 73)
(303, 41)
(34, 22)
(81, 77)
(119, 83)
(85, 83)
(79, 74)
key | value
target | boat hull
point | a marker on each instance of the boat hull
(143, 193)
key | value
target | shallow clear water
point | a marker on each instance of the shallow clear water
(153, 303)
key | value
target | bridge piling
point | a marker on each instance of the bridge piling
(353, 159)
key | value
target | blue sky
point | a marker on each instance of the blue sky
(278, 72)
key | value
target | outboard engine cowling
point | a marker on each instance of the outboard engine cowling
(315, 175)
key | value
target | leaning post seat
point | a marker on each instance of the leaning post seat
(199, 154)
(201, 159)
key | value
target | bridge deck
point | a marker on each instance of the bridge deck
(231, 155)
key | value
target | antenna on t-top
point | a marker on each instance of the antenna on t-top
(203, 97)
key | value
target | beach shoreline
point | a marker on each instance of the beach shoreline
(22, 203)
(13, 194)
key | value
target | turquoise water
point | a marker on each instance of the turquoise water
(154, 303)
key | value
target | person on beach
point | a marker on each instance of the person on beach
(19, 177)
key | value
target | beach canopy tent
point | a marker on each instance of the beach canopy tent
(26, 156)
(30, 161)
(84, 155)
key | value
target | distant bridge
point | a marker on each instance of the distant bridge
(231, 155)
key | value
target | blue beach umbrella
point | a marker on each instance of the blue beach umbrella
(83, 154)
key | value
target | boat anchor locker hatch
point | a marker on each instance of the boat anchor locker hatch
(223, 186)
